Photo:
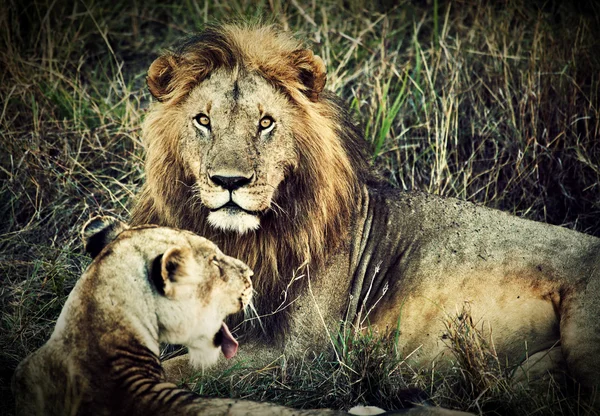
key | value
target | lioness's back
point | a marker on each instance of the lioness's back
(43, 386)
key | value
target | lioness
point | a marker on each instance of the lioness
(146, 284)
(246, 146)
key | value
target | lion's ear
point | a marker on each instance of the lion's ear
(98, 232)
(160, 75)
(311, 71)
(172, 272)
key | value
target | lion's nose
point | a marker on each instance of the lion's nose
(231, 183)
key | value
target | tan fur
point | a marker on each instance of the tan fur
(333, 243)
(146, 284)
(316, 200)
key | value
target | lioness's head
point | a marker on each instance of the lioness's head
(195, 286)
(241, 133)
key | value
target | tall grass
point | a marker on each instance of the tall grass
(491, 102)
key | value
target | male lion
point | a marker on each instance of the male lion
(245, 146)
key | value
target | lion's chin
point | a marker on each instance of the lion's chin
(203, 357)
(233, 220)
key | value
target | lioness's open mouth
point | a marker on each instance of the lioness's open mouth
(226, 341)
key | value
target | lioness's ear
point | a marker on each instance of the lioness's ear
(173, 267)
(311, 71)
(98, 232)
(160, 75)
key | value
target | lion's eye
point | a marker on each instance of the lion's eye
(266, 122)
(202, 120)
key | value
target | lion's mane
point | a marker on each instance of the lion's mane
(316, 201)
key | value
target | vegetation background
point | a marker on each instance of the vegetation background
(495, 102)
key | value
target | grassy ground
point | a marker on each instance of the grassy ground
(494, 102)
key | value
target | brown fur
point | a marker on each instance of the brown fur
(322, 195)
(392, 260)
(146, 284)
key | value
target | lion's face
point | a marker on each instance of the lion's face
(200, 287)
(196, 286)
(237, 144)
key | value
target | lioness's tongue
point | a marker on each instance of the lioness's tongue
(229, 345)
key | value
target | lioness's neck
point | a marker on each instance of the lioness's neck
(97, 295)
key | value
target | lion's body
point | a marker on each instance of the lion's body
(145, 285)
(535, 286)
(305, 204)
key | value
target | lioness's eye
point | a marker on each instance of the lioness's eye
(266, 122)
(202, 120)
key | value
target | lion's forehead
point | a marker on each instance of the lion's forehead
(155, 240)
(238, 96)
(151, 239)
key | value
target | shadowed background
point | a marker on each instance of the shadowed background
(493, 102)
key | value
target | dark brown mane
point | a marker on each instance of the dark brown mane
(317, 201)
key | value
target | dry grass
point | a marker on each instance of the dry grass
(495, 103)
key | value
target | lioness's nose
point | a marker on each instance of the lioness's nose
(231, 183)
